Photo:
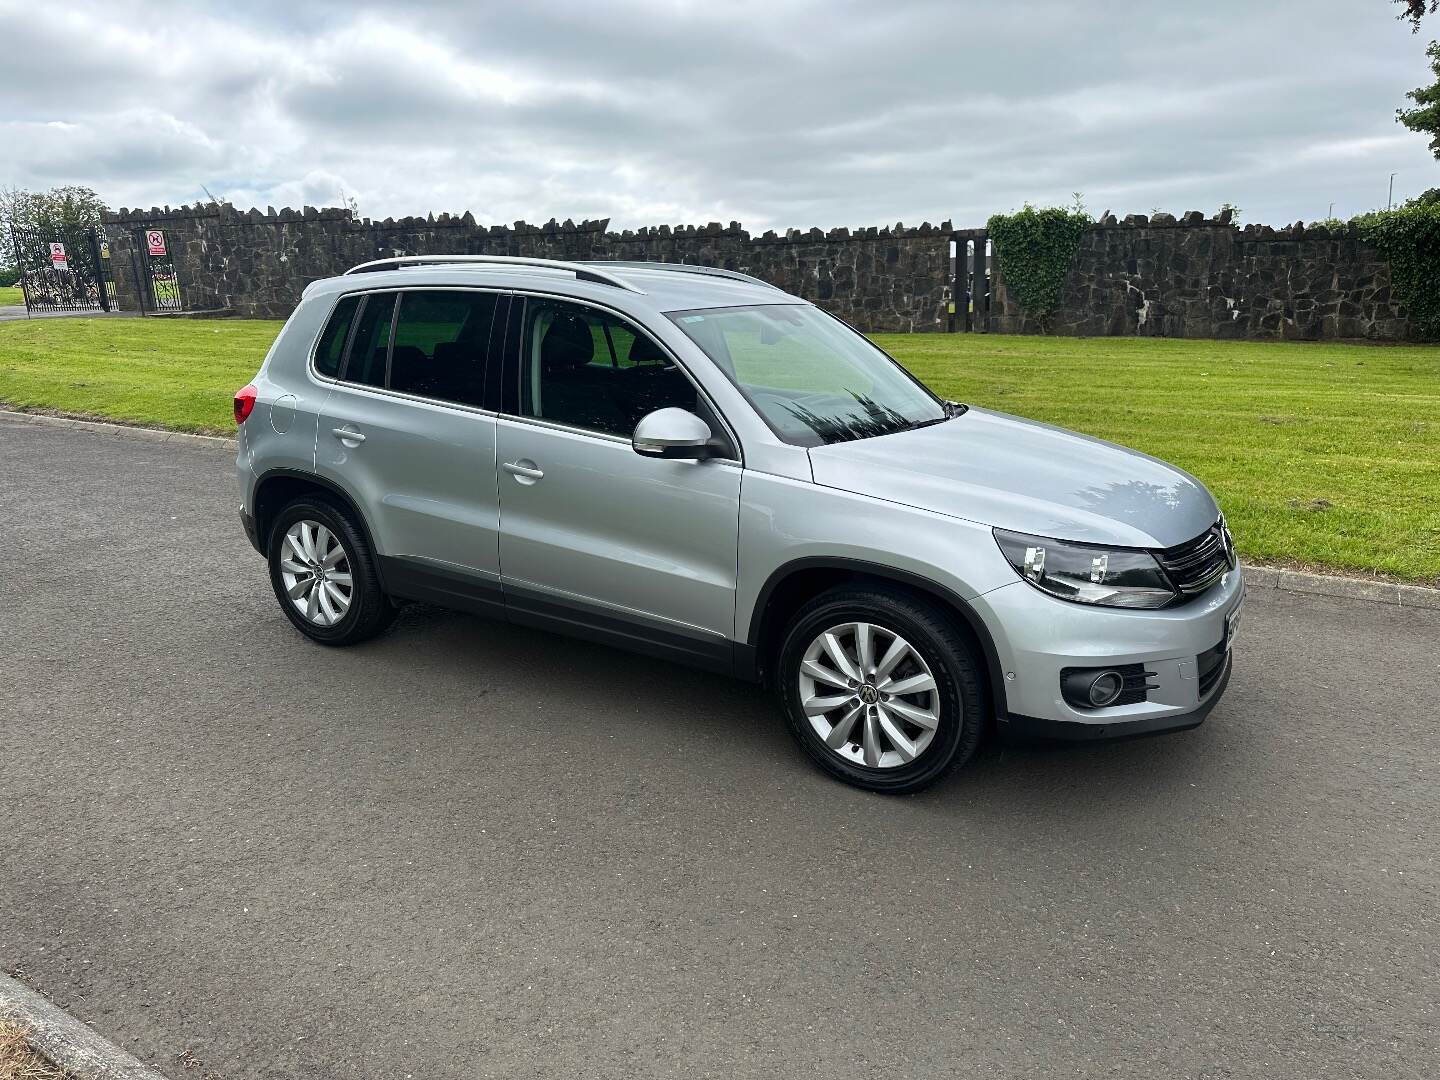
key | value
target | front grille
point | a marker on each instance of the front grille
(1211, 665)
(1197, 564)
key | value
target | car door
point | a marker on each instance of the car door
(405, 430)
(595, 538)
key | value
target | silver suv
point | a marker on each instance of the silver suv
(688, 462)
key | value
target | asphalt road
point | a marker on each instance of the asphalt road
(470, 850)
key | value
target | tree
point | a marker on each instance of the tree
(1425, 117)
(1415, 10)
(65, 207)
(47, 212)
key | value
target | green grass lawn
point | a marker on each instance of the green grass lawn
(1327, 455)
(11, 296)
(181, 374)
(1320, 454)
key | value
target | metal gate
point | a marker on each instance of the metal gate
(159, 283)
(970, 281)
(65, 268)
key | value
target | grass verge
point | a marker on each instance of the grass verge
(19, 1062)
(1322, 455)
(179, 374)
(11, 296)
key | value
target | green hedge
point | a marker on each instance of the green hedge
(1034, 248)
(1409, 237)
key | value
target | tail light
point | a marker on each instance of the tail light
(244, 404)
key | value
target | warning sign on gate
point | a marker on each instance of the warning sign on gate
(57, 257)
(156, 241)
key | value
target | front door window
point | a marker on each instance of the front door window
(587, 369)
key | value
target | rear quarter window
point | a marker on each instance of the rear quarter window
(331, 348)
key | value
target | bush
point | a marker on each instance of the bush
(9, 275)
(1409, 237)
(1034, 248)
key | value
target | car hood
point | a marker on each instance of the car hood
(1025, 476)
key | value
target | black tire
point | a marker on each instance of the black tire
(370, 609)
(948, 651)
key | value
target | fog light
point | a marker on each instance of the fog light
(1092, 688)
(1105, 688)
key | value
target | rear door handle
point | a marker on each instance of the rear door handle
(526, 469)
(345, 434)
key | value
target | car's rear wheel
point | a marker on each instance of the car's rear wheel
(881, 688)
(323, 573)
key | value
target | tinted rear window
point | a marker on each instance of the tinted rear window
(441, 344)
(331, 349)
(370, 345)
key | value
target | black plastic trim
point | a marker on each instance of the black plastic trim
(247, 522)
(636, 633)
(901, 577)
(408, 578)
(1031, 727)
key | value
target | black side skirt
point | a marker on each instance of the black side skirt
(414, 579)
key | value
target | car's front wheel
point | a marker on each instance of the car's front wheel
(881, 688)
(323, 573)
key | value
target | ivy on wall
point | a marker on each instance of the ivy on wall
(1034, 248)
(1409, 237)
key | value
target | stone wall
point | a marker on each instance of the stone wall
(1205, 278)
(256, 264)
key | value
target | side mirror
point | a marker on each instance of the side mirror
(672, 433)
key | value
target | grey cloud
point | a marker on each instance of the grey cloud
(777, 113)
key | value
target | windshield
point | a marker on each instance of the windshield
(811, 377)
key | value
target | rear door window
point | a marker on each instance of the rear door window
(370, 344)
(442, 343)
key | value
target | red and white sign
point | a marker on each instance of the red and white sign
(57, 257)
(156, 241)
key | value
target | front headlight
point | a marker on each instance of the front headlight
(1110, 577)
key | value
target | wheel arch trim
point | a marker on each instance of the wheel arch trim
(940, 593)
(325, 484)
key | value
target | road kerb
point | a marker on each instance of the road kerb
(65, 1041)
(124, 431)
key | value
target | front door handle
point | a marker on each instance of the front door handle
(348, 435)
(524, 470)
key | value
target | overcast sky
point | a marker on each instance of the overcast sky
(781, 113)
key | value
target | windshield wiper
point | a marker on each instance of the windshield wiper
(952, 410)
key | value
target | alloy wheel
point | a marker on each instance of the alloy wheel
(869, 695)
(315, 570)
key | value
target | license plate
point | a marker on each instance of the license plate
(1232, 622)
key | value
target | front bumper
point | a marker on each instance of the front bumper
(1031, 727)
(1037, 636)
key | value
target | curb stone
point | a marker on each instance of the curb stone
(1379, 592)
(65, 1041)
(124, 431)
(1256, 577)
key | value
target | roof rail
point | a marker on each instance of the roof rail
(581, 271)
(685, 268)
